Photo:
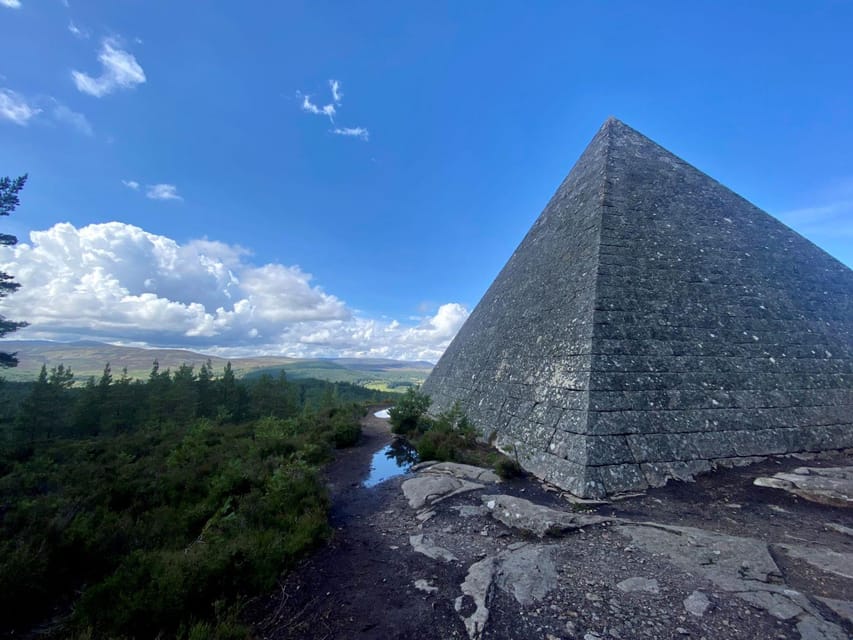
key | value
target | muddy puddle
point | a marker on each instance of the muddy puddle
(392, 460)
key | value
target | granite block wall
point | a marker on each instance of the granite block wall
(651, 324)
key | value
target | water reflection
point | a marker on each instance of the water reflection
(393, 460)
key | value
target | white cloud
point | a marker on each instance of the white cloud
(330, 111)
(120, 71)
(162, 192)
(12, 4)
(78, 121)
(131, 184)
(15, 108)
(337, 94)
(355, 132)
(116, 282)
(325, 110)
(77, 32)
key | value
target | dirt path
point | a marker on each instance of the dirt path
(360, 584)
(710, 543)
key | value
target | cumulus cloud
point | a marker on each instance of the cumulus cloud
(117, 282)
(120, 70)
(75, 120)
(11, 4)
(162, 192)
(355, 132)
(15, 108)
(131, 184)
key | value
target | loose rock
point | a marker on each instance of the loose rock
(464, 471)
(422, 543)
(647, 585)
(425, 586)
(536, 519)
(431, 489)
(827, 485)
(697, 603)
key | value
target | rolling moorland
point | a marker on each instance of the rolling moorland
(88, 358)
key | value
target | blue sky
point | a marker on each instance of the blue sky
(463, 119)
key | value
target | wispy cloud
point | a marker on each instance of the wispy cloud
(11, 4)
(353, 132)
(831, 215)
(337, 94)
(162, 192)
(330, 110)
(120, 71)
(83, 34)
(325, 110)
(15, 108)
(131, 184)
(77, 121)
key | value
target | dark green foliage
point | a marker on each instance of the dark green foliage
(9, 190)
(449, 437)
(149, 507)
(407, 415)
(507, 468)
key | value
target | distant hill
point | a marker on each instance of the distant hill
(88, 359)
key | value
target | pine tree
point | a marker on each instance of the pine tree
(8, 201)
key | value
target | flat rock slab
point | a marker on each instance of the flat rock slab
(732, 563)
(534, 518)
(423, 544)
(841, 564)
(741, 566)
(843, 608)
(430, 489)
(638, 583)
(463, 471)
(697, 604)
(827, 485)
(527, 572)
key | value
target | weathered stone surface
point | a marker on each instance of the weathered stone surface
(813, 628)
(697, 604)
(827, 485)
(842, 608)
(463, 471)
(638, 583)
(476, 586)
(534, 518)
(429, 489)
(652, 325)
(423, 544)
(730, 562)
(741, 566)
(426, 586)
(777, 605)
(470, 510)
(527, 572)
(840, 528)
(841, 564)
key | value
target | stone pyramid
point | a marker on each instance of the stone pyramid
(651, 325)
